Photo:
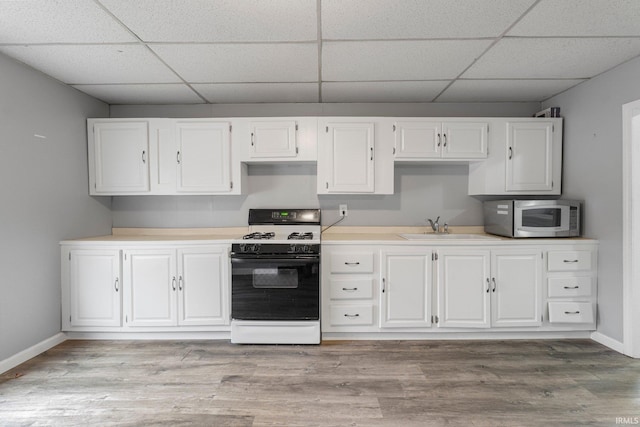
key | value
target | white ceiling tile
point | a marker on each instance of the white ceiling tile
(581, 18)
(258, 92)
(94, 64)
(553, 58)
(398, 60)
(393, 19)
(505, 90)
(237, 63)
(218, 20)
(142, 93)
(382, 91)
(69, 21)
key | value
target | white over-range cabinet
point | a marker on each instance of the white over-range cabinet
(164, 287)
(536, 286)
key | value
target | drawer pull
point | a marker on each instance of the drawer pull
(572, 312)
(572, 287)
(352, 263)
(571, 261)
(350, 289)
(351, 316)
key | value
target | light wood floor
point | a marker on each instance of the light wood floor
(362, 383)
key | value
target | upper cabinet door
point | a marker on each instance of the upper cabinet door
(464, 140)
(529, 156)
(274, 139)
(417, 140)
(350, 167)
(203, 157)
(119, 157)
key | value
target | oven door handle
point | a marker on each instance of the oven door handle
(291, 260)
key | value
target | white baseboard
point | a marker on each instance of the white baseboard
(608, 342)
(31, 352)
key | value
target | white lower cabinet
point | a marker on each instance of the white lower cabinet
(91, 288)
(171, 287)
(166, 288)
(571, 286)
(405, 298)
(510, 287)
(482, 288)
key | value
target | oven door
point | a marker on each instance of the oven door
(275, 287)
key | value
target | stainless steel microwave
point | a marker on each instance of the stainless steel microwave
(532, 218)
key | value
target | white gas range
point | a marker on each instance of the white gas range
(275, 284)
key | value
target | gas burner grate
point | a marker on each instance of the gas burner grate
(259, 236)
(300, 236)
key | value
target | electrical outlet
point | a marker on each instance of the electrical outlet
(342, 211)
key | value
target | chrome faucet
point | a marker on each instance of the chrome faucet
(435, 226)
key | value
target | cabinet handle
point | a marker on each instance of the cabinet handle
(173, 283)
(252, 143)
(572, 287)
(351, 316)
(570, 261)
(439, 140)
(178, 157)
(144, 156)
(572, 312)
(493, 279)
(444, 137)
(352, 263)
(180, 283)
(510, 153)
(488, 286)
(350, 289)
(117, 284)
(371, 153)
(384, 285)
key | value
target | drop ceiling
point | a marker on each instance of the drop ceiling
(331, 51)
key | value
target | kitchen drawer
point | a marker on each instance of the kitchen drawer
(351, 288)
(352, 262)
(570, 286)
(352, 314)
(570, 312)
(569, 260)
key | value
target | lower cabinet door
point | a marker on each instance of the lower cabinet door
(464, 287)
(151, 287)
(201, 286)
(94, 288)
(406, 289)
(516, 288)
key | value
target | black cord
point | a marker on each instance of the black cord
(329, 226)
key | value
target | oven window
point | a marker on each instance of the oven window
(281, 278)
(542, 218)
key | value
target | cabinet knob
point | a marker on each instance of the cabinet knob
(117, 284)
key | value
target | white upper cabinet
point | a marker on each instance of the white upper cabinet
(162, 156)
(529, 156)
(432, 140)
(354, 156)
(118, 157)
(275, 139)
(203, 157)
(525, 158)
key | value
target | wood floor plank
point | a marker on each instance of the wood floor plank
(338, 383)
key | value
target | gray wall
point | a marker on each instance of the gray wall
(420, 191)
(593, 172)
(45, 198)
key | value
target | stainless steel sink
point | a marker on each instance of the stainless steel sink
(430, 236)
